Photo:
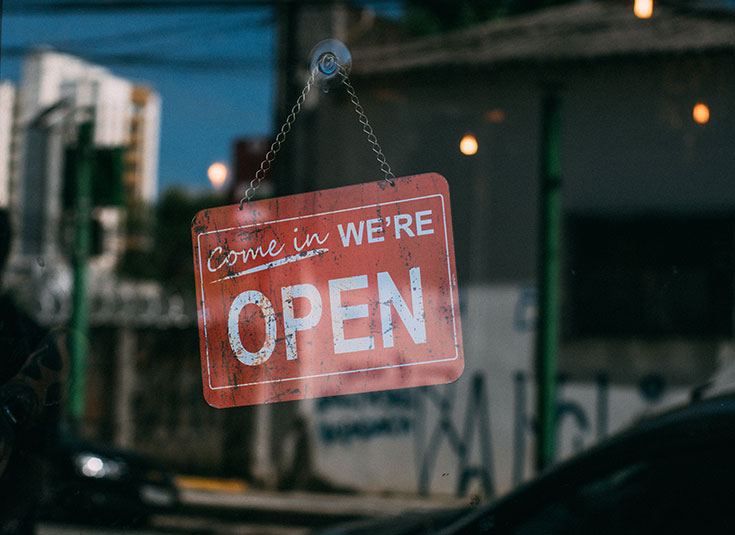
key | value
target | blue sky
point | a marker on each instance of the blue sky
(203, 109)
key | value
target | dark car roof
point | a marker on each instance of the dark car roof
(706, 425)
(69, 444)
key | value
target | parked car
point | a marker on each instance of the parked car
(98, 483)
(670, 474)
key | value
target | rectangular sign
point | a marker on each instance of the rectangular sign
(338, 291)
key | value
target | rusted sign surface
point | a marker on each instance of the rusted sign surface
(337, 291)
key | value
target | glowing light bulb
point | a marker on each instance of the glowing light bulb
(700, 113)
(468, 146)
(643, 9)
(217, 174)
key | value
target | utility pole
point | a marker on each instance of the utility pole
(547, 332)
(288, 89)
(84, 157)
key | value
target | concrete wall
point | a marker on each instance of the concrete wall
(473, 436)
(629, 146)
(7, 119)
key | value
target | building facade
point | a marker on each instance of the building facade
(7, 131)
(58, 92)
(647, 229)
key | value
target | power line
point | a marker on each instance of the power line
(89, 6)
(159, 61)
(131, 5)
(167, 56)
(138, 44)
(160, 32)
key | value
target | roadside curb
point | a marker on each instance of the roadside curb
(211, 484)
(233, 498)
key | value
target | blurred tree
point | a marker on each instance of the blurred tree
(139, 241)
(168, 257)
(173, 252)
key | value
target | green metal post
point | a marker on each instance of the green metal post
(547, 341)
(84, 156)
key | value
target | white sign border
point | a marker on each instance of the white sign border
(203, 310)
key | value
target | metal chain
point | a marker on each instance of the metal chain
(286, 128)
(280, 138)
(362, 118)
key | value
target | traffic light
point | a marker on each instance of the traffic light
(107, 177)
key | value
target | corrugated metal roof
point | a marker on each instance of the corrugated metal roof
(588, 30)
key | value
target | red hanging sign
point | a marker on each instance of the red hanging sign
(339, 291)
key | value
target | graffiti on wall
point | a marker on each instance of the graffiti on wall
(441, 419)
(472, 437)
(388, 413)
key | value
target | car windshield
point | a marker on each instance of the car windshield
(275, 266)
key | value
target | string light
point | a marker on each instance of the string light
(643, 9)
(217, 174)
(700, 113)
(468, 146)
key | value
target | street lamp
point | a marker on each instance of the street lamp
(700, 113)
(643, 9)
(217, 174)
(40, 146)
(468, 146)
